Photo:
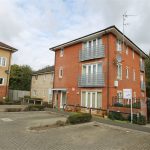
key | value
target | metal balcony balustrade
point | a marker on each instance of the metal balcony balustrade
(93, 52)
(91, 80)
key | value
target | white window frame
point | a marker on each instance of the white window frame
(98, 41)
(61, 72)
(62, 52)
(133, 54)
(86, 98)
(119, 75)
(127, 72)
(2, 81)
(120, 93)
(119, 45)
(1, 61)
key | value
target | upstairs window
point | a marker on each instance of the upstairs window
(119, 45)
(127, 51)
(133, 54)
(133, 75)
(127, 73)
(119, 71)
(2, 61)
(61, 52)
(1, 81)
(60, 72)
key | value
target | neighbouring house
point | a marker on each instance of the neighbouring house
(42, 84)
(5, 64)
(93, 71)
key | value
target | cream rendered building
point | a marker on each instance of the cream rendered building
(5, 64)
(42, 84)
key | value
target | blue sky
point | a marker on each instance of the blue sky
(33, 26)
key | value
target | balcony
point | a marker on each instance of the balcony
(91, 80)
(92, 52)
(142, 66)
(143, 86)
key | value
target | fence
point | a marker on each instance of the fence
(17, 94)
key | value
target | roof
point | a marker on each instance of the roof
(112, 29)
(45, 70)
(7, 47)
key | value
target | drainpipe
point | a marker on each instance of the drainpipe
(107, 72)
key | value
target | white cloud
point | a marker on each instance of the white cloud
(34, 26)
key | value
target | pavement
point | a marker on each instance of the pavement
(144, 128)
(14, 134)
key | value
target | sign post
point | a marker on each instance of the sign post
(127, 94)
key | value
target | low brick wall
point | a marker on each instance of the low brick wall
(124, 109)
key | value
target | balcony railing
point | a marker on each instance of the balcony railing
(91, 80)
(142, 86)
(142, 66)
(120, 102)
(92, 52)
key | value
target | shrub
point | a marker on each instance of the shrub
(47, 105)
(141, 120)
(13, 109)
(77, 118)
(115, 116)
(35, 108)
(117, 104)
(1, 103)
(27, 96)
(12, 103)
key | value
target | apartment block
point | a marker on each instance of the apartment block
(92, 71)
(5, 63)
(42, 84)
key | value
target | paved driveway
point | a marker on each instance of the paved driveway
(14, 135)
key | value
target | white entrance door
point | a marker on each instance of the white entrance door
(62, 99)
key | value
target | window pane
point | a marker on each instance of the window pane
(88, 99)
(1, 80)
(99, 70)
(83, 99)
(94, 43)
(93, 100)
(99, 99)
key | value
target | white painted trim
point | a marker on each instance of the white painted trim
(61, 100)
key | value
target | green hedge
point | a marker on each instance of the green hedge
(77, 118)
(115, 116)
(141, 120)
(35, 108)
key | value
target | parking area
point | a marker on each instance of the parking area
(14, 134)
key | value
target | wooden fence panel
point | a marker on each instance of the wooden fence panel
(16, 94)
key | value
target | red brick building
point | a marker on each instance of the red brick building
(93, 70)
(5, 63)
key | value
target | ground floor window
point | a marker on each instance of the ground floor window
(119, 96)
(1, 81)
(91, 99)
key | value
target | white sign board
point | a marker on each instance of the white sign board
(127, 93)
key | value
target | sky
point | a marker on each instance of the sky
(33, 26)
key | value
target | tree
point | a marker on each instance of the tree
(20, 77)
(147, 74)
